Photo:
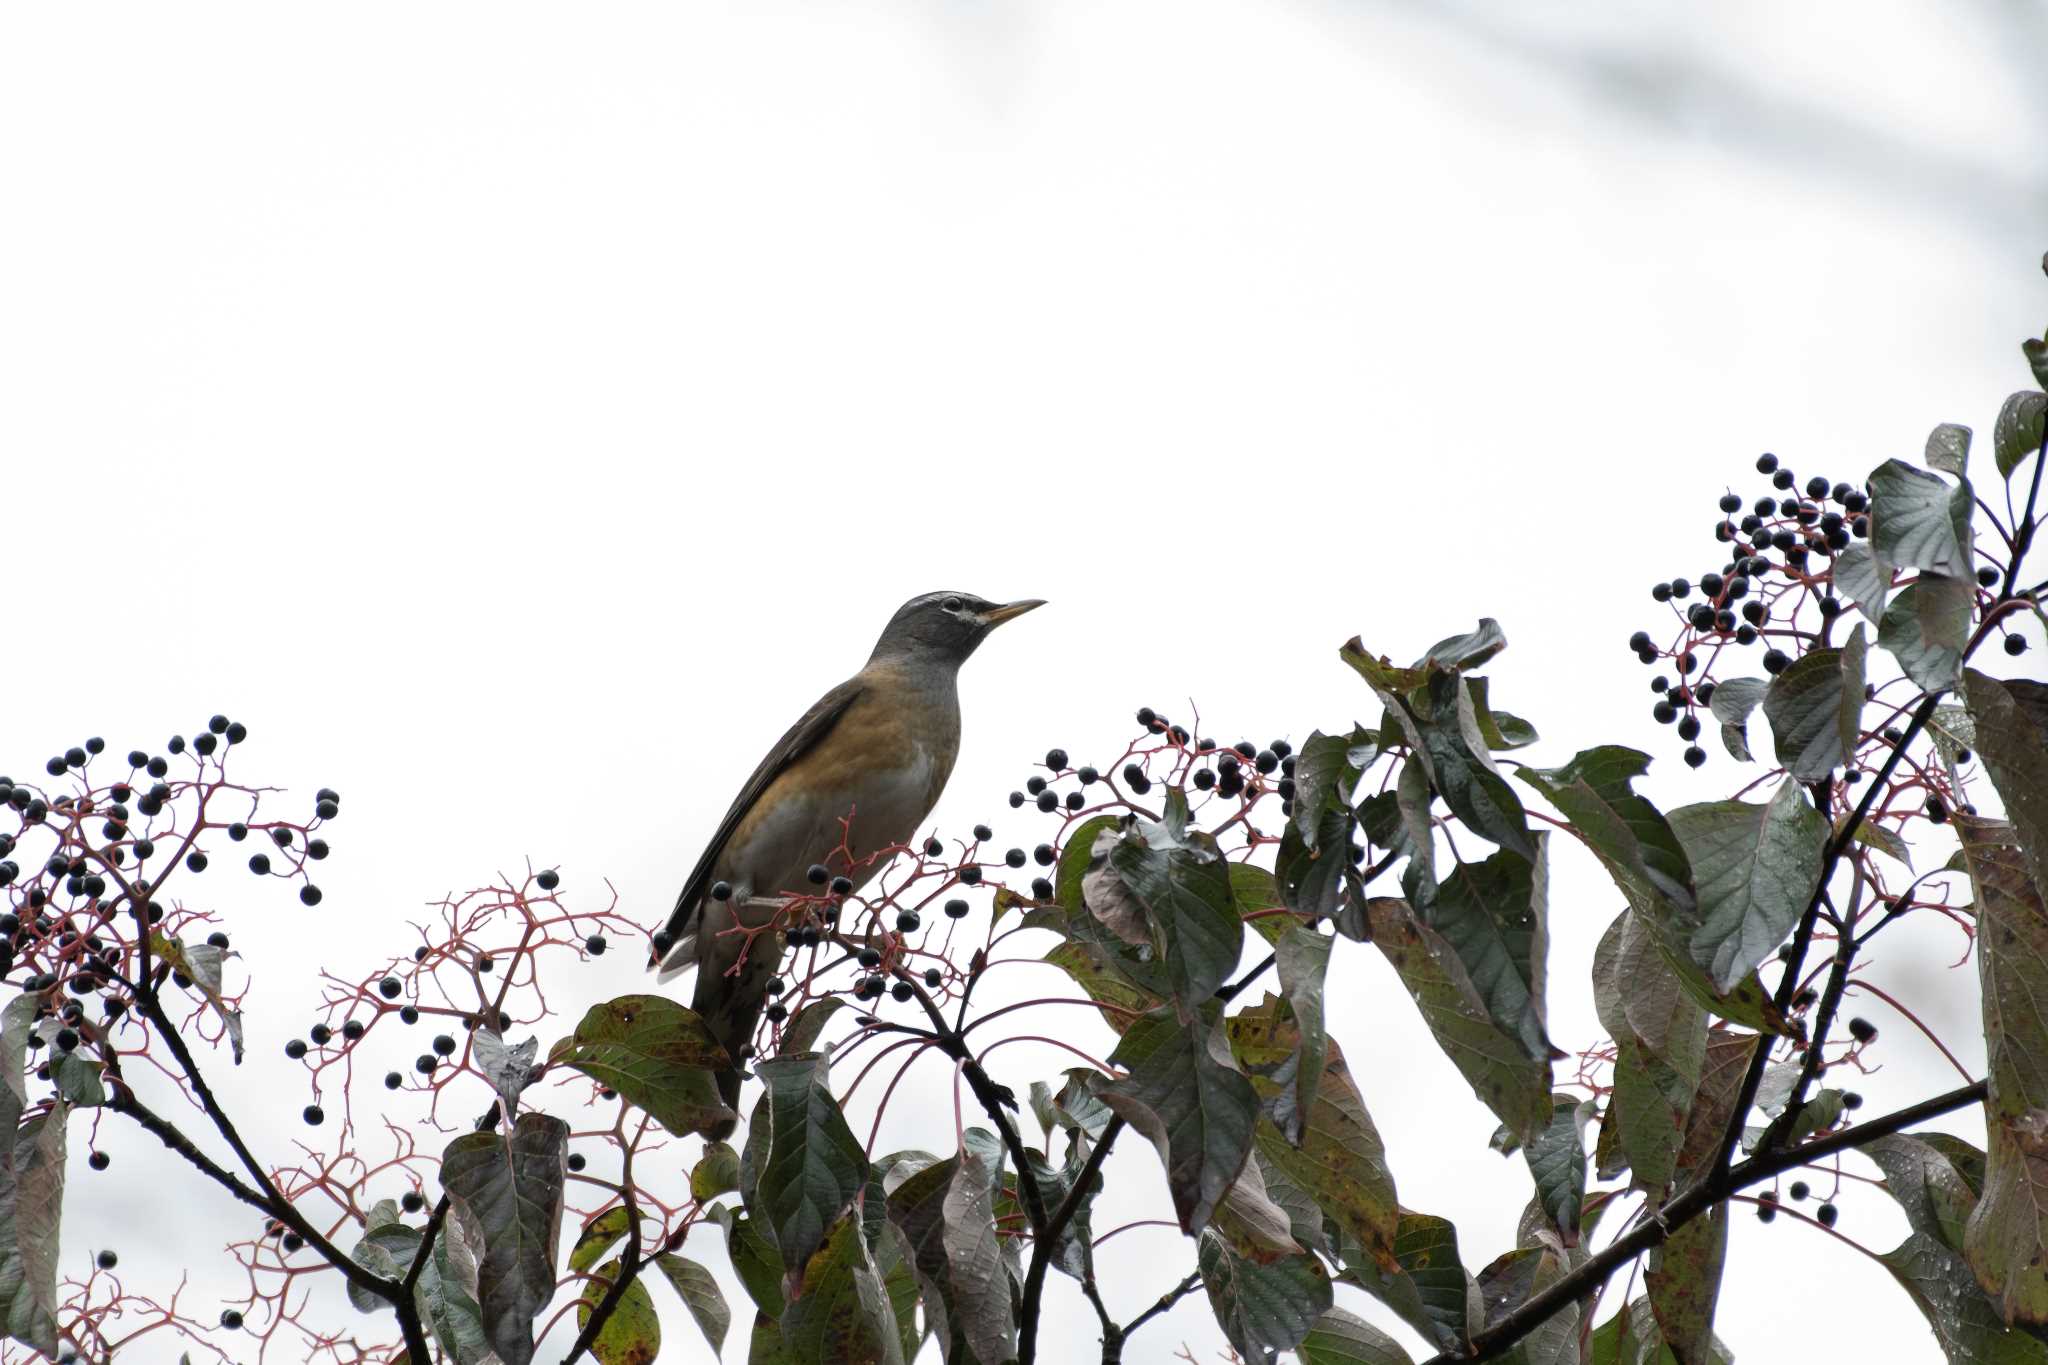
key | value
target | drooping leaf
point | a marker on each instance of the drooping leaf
(717, 1172)
(844, 1312)
(2013, 744)
(1632, 1337)
(508, 1066)
(802, 1166)
(2007, 1237)
(31, 1217)
(1492, 915)
(201, 963)
(1948, 449)
(656, 1054)
(1637, 846)
(700, 1294)
(1339, 1159)
(1931, 1191)
(1256, 890)
(1557, 1163)
(1863, 578)
(1251, 1221)
(599, 1235)
(1448, 741)
(632, 1334)
(1512, 1280)
(1815, 708)
(1684, 1280)
(1303, 957)
(1427, 1284)
(1501, 730)
(1925, 629)
(1965, 1322)
(1184, 887)
(1262, 1308)
(510, 1191)
(1712, 1107)
(1323, 774)
(1341, 1338)
(754, 1261)
(1194, 1107)
(1090, 967)
(1310, 869)
(2020, 423)
(1919, 520)
(1756, 868)
(1515, 1085)
(945, 1213)
(1076, 858)
(801, 1033)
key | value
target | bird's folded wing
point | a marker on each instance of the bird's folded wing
(798, 740)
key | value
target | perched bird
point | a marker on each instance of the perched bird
(876, 751)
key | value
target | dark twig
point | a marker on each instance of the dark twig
(1714, 1187)
(1046, 1238)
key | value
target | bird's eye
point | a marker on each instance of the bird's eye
(951, 604)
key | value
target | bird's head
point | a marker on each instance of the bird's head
(945, 626)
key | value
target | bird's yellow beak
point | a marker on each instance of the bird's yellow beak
(1003, 613)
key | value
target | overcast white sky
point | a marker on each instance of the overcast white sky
(516, 414)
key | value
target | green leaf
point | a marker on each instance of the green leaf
(1815, 708)
(1919, 520)
(2013, 745)
(802, 1165)
(946, 1215)
(31, 1217)
(632, 1334)
(1192, 1105)
(598, 1236)
(1089, 965)
(800, 1034)
(1643, 855)
(656, 1055)
(510, 1191)
(1323, 774)
(446, 1294)
(17, 1022)
(509, 1068)
(1255, 889)
(77, 1078)
(844, 1312)
(1311, 871)
(1075, 860)
(1500, 1070)
(716, 1172)
(1500, 730)
(1557, 1163)
(1262, 1308)
(1756, 868)
(2007, 1236)
(2020, 422)
(1425, 1283)
(754, 1261)
(1684, 1280)
(1492, 915)
(1512, 1280)
(1460, 652)
(1632, 1337)
(1184, 888)
(2036, 352)
(1965, 1322)
(1864, 579)
(1925, 629)
(1339, 1159)
(1341, 1338)
(701, 1295)
(1250, 1220)
(1931, 1191)
(1458, 766)
(1303, 957)
(1948, 449)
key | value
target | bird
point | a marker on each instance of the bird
(863, 767)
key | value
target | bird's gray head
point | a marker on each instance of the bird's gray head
(945, 627)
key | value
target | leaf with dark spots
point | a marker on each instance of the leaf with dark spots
(1341, 1338)
(1194, 1107)
(2011, 726)
(656, 1054)
(1094, 969)
(2006, 1239)
(1427, 1284)
(1728, 1056)
(844, 1313)
(1684, 1280)
(632, 1334)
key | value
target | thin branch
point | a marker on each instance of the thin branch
(1714, 1187)
(1046, 1239)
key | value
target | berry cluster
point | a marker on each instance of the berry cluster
(1778, 561)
